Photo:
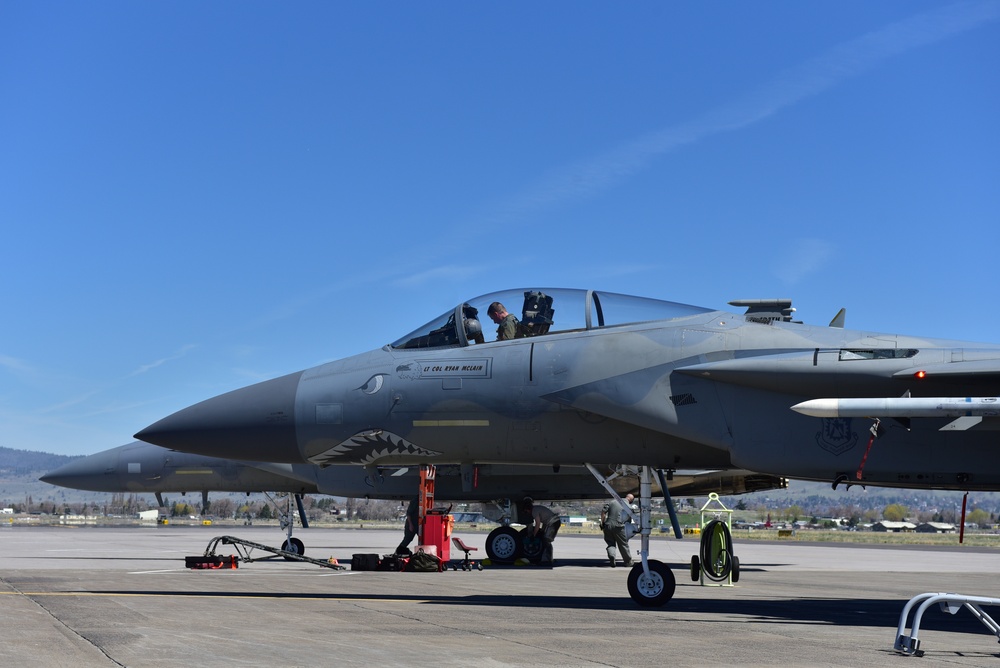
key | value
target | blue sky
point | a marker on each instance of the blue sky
(198, 196)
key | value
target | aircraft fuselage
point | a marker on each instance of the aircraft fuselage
(701, 389)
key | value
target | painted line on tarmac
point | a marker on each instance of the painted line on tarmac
(289, 573)
(165, 570)
(283, 597)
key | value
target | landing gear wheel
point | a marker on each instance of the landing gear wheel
(531, 547)
(654, 590)
(735, 575)
(695, 568)
(295, 546)
(503, 545)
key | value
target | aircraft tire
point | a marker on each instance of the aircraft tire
(531, 547)
(503, 545)
(695, 568)
(735, 575)
(652, 591)
(295, 546)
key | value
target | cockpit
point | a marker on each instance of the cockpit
(539, 312)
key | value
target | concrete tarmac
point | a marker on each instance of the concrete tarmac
(84, 597)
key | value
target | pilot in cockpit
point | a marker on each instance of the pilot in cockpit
(507, 328)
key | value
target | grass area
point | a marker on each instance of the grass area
(973, 539)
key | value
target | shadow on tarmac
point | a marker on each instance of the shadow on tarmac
(873, 613)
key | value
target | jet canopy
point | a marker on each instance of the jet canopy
(541, 311)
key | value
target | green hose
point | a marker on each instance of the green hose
(716, 551)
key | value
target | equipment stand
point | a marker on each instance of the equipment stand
(717, 565)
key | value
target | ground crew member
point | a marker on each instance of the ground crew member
(546, 526)
(613, 521)
(411, 526)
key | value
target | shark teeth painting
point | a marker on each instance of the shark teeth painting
(369, 447)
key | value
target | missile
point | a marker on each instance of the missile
(900, 407)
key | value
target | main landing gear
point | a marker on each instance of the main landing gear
(650, 583)
(505, 544)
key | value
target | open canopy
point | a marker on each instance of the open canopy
(541, 311)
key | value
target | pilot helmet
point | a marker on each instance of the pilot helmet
(473, 327)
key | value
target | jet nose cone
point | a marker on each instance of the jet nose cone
(255, 423)
(94, 472)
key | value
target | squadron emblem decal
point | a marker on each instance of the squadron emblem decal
(368, 447)
(837, 436)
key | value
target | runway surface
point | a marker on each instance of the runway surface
(84, 597)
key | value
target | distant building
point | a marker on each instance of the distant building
(6, 511)
(894, 527)
(573, 521)
(936, 527)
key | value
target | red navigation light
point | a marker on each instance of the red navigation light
(920, 375)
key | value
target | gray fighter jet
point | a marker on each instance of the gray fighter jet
(144, 468)
(602, 379)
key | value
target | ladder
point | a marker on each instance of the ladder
(425, 498)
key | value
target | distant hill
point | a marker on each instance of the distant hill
(820, 498)
(27, 462)
(19, 472)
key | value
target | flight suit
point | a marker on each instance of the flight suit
(411, 527)
(507, 329)
(614, 532)
(547, 524)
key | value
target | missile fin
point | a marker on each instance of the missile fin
(962, 423)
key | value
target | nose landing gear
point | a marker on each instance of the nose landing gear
(650, 583)
(654, 588)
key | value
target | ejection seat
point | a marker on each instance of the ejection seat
(536, 315)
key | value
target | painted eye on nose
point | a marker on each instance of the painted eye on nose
(374, 384)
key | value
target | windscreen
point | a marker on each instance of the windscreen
(540, 312)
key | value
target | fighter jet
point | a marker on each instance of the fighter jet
(144, 468)
(587, 377)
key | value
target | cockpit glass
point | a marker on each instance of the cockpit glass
(539, 312)
(435, 334)
(618, 309)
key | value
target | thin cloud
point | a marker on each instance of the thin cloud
(75, 401)
(160, 362)
(616, 270)
(592, 176)
(15, 365)
(116, 408)
(453, 272)
(847, 60)
(806, 257)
